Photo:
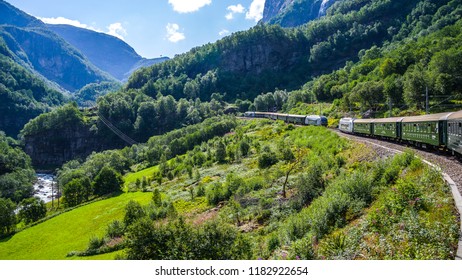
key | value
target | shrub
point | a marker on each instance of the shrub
(77, 191)
(215, 193)
(7, 216)
(115, 229)
(310, 185)
(302, 249)
(32, 210)
(95, 243)
(267, 159)
(107, 181)
(180, 241)
(133, 212)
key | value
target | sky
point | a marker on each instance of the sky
(153, 28)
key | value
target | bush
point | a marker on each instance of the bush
(267, 159)
(32, 210)
(178, 240)
(302, 249)
(216, 193)
(133, 212)
(77, 191)
(107, 181)
(7, 217)
(95, 243)
(310, 185)
(115, 229)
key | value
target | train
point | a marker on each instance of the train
(441, 131)
(288, 118)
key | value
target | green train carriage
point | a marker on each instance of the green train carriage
(388, 127)
(363, 126)
(427, 129)
(454, 132)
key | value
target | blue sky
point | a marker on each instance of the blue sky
(152, 27)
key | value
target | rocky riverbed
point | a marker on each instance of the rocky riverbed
(45, 187)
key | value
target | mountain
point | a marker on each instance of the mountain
(107, 52)
(248, 63)
(40, 50)
(23, 95)
(52, 57)
(10, 15)
(291, 13)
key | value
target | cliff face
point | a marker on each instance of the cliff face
(275, 7)
(53, 148)
(292, 13)
(51, 56)
(262, 56)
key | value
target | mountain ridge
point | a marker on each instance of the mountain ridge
(107, 52)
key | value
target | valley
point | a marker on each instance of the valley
(155, 162)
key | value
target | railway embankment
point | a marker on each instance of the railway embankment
(450, 167)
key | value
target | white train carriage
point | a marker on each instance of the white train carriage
(346, 125)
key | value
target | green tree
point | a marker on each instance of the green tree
(133, 212)
(107, 181)
(7, 216)
(32, 210)
(220, 152)
(244, 147)
(77, 191)
(415, 86)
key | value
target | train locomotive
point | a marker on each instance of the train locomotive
(288, 118)
(442, 131)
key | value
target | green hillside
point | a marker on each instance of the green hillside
(265, 191)
(266, 57)
(71, 231)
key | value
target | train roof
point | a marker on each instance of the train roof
(389, 120)
(456, 115)
(427, 118)
(298, 116)
(314, 117)
(364, 120)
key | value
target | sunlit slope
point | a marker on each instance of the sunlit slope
(71, 231)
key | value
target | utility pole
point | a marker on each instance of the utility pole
(52, 193)
(426, 100)
(390, 105)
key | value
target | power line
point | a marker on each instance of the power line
(116, 131)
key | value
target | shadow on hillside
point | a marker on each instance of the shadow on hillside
(6, 239)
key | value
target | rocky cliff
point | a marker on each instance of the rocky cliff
(291, 13)
(274, 8)
(52, 148)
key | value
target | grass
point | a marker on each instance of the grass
(132, 177)
(71, 231)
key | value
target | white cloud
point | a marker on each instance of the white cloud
(172, 33)
(188, 6)
(117, 30)
(62, 20)
(237, 9)
(234, 9)
(223, 32)
(256, 10)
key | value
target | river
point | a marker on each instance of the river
(44, 188)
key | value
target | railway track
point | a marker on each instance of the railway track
(450, 166)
